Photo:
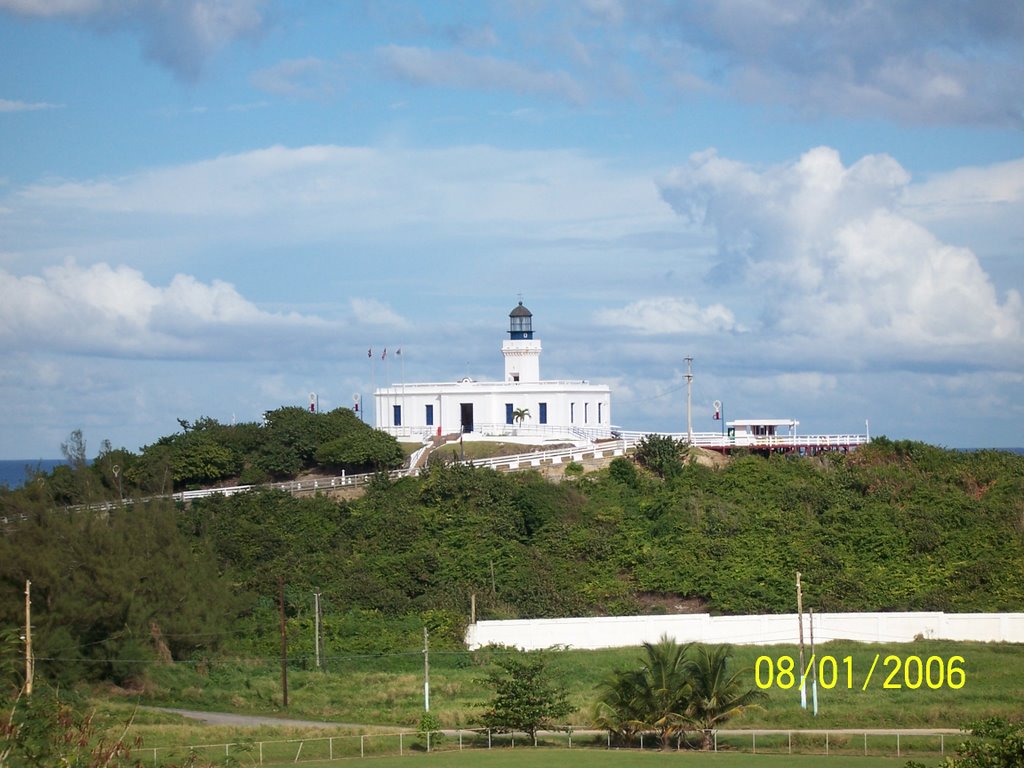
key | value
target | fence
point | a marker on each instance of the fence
(896, 743)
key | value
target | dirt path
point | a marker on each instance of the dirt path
(253, 721)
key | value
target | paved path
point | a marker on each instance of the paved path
(253, 721)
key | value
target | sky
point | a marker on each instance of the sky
(216, 207)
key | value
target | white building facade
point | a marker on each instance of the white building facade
(520, 407)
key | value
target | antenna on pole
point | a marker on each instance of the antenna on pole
(689, 400)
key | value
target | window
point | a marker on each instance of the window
(572, 413)
(398, 415)
(430, 415)
(543, 413)
(508, 413)
(599, 412)
(586, 413)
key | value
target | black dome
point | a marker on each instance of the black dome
(520, 311)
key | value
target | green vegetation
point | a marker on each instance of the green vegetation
(120, 594)
(204, 453)
(996, 743)
(525, 698)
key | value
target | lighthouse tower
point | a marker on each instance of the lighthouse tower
(521, 350)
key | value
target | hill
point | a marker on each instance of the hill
(892, 526)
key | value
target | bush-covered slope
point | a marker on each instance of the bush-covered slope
(893, 526)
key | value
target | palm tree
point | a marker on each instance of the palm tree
(653, 697)
(519, 415)
(716, 692)
(618, 706)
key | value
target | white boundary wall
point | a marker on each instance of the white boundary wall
(625, 631)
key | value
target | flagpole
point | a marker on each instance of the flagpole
(401, 358)
(373, 385)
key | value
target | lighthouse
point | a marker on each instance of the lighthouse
(566, 409)
(520, 349)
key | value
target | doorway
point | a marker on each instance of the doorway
(467, 416)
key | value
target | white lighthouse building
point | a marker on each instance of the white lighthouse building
(520, 407)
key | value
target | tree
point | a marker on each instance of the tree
(654, 697)
(619, 706)
(1000, 744)
(519, 415)
(525, 698)
(660, 454)
(716, 692)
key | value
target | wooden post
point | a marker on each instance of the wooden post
(800, 624)
(472, 608)
(284, 645)
(316, 625)
(814, 666)
(426, 670)
(28, 638)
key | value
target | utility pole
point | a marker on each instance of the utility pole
(29, 671)
(316, 625)
(426, 670)
(689, 400)
(800, 623)
(284, 644)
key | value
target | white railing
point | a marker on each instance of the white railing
(546, 431)
(718, 440)
(554, 456)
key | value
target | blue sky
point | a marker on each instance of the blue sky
(215, 207)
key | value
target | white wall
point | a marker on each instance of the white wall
(625, 631)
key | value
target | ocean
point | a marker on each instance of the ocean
(12, 471)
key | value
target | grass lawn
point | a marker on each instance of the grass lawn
(564, 758)
(388, 690)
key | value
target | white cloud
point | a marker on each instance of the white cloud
(306, 78)
(894, 60)
(178, 34)
(113, 311)
(454, 69)
(8, 105)
(824, 254)
(312, 193)
(373, 312)
(51, 7)
(662, 315)
(969, 192)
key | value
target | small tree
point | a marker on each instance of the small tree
(525, 697)
(717, 692)
(653, 697)
(660, 454)
(519, 415)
